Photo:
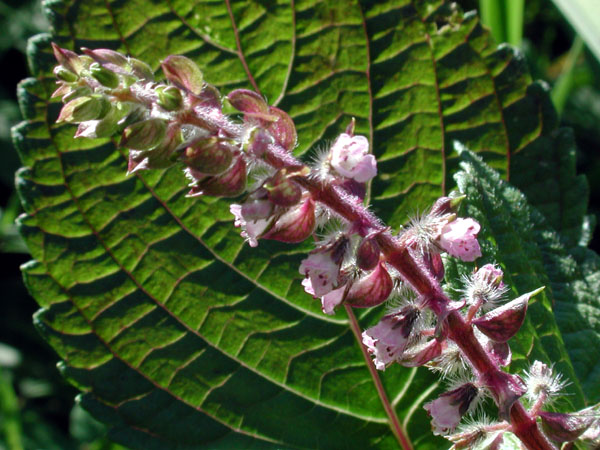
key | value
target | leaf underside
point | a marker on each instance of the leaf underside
(179, 335)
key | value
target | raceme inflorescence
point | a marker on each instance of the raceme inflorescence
(357, 260)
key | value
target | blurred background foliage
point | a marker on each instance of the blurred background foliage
(37, 408)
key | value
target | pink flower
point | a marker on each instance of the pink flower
(251, 228)
(447, 410)
(322, 268)
(322, 271)
(350, 158)
(387, 340)
(331, 300)
(459, 239)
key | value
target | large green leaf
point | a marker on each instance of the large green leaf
(179, 334)
(519, 238)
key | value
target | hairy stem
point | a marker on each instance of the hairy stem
(523, 424)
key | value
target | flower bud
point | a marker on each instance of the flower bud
(68, 59)
(229, 184)
(107, 56)
(209, 156)
(367, 255)
(104, 76)
(564, 427)
(159, 157)
(248, 102)
(73, 93)
(447, 205)
(65, 74)
(350, 128)
(282, 191)
(433, 262)
(169, 98)
(372, 289)
(84, 108)
(502, 323)
(141, 70)
(296, 224)
(144, 135)
(183, 72)
(447, 410)
(283, 128)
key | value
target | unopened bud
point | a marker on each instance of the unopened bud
(372, 289)
(68, 59)
(72, 94)
(209, 156)
(84, 108)
(144, 135)
(350, 128)
(140, 69)
(295, 225)
(282, 191)
(367, 255)
(107, 56)
(104, 76)
(433, 261)
(564, 427)
(169, 98)
(229, 184)
(248, 102)
(282, 128)
(65, 74)
(502, 323)
(447, 205)
(183, 72)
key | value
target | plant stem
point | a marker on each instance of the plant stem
(397, 429)
(523, 424)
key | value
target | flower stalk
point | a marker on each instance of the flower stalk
(361, 264)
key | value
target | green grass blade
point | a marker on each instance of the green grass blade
(492, 15)
(514, 21)
(583, 16)
(563, 86)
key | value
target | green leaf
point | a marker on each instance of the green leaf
(518, 237)
(180, 335)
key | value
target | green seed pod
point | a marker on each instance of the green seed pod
(104, 76)
(169, 97)
(84, 108)
(144, 135)
(64, 74)
(209, 156)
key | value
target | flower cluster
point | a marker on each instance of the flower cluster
(360, 264)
